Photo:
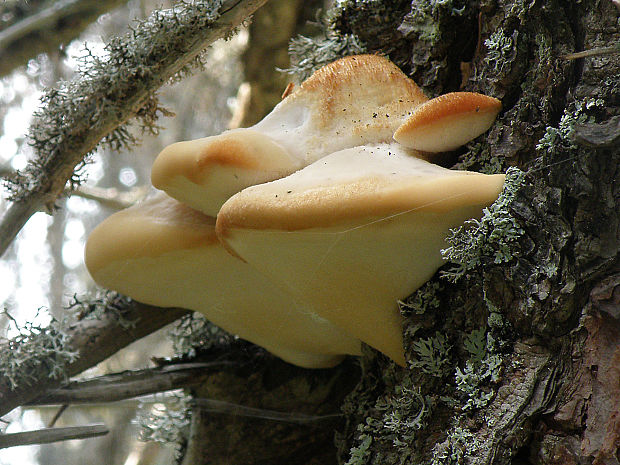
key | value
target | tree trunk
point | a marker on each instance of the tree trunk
(526, 343)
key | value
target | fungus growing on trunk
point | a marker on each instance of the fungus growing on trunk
(355, 232)
(301, 233)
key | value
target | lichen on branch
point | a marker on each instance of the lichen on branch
(109, 92)
(34, 349)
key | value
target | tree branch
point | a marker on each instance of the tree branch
(593, 52)
(47, 435)
(110, 196)
(93, 339)
(109, 94)
(129, 384)
(229, 408)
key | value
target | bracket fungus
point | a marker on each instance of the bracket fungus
(301, 233)
(350, 102)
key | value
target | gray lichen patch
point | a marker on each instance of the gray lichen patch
(194, 332)
(33, 350)
(166, 422)
(308, 54)
(494, 238)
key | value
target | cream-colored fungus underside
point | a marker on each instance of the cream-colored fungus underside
(166, 254)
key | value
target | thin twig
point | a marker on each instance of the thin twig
(37, 21)
(93, 340)
(111, 197)
(220, 406)
(47, 26)
(593, 52)
(45, 436)
(57, 415)
(129, 384)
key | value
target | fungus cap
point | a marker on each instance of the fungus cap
(353, 101)
(448, 121)
(204, 173)
(354, 241)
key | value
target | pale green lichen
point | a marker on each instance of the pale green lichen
(98, 100)
(35, 350)
(360, 453)
(104, 302)
(481, 156)
(500, 50)
(493, 238)
(308, 54)
(193, 332)
(459, 446)
(481, 370)
(405, 413)
(166, 422)
(422, 300)
(432, 355)
(561, 138)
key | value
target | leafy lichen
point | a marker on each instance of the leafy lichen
(360, 453)
(308, 54)
(481, 370)
(422, 300)
(500, 51)
(405, 413)
(561, 138)
(397, 418)
(102, 303)
(494, 236)
(193, 332)
(166, 422)
(459, 445)
(35, 349)
(433, 355)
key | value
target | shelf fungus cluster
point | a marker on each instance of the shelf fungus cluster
(302, 232)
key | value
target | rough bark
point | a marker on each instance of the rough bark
(556, 401)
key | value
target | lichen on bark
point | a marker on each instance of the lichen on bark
(559, 126)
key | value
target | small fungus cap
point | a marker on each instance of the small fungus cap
(448, 121)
